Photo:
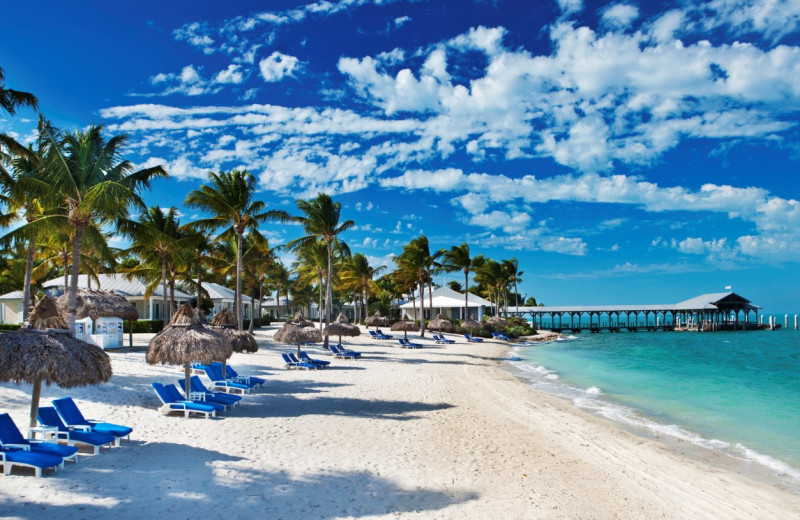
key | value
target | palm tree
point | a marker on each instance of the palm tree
(415, 262)
(457, 258)
(279, 276)
(197, 257)
(11, 99)
(229, 197)
(358, 275)
(85, 175)
(259, 259)
(311, 266)
(155, 238)
(491, 276)
(513, 275)
(320, 220)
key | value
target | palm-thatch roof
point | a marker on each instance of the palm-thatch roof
(406, 324)
(185, 341)
(377, 320)
(497, 321)
(298, 331)
(100, 304)
(223, 317)
(34, 356)
(470, 323)
(46, 315)
(342, 327)
(440, 324)
(241, 340)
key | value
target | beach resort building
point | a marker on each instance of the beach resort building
(448, 303)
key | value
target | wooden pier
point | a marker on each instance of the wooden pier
(705, 313)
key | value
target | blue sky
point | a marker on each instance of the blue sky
(624, 152)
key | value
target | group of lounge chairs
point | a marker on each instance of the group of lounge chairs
(224, 394)
(61, 422)
(377, 334)
(306, 362)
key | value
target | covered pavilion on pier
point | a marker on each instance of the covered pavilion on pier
(707, 312)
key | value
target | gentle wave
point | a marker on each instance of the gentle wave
(589, 399)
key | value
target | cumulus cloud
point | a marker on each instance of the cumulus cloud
(620, 16)
(277, 66)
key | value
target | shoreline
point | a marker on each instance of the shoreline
(440, 432)
(721, 458)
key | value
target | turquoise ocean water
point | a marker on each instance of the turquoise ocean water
(738, 392)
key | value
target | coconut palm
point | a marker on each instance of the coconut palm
(10, 100)
(85, 175)
(197, 256)
(229, 198)
(491, 276)
(311, 267)
(258, 259)
(458, 258)
(155, 237)
(359, 276)
(320, 220)
(415, 263)
(513, 276)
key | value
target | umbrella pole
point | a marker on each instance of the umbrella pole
(224, 368)
(340, 341)
(298, 348)
(37, 391)
(405, 335)
(187, 374)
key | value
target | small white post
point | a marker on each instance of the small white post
(786, 320)
(762, 319)
(795, 322)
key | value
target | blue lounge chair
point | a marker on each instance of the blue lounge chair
(220, 383)
(442, 340)
(407, 344)
(49, 417)
(473, 340)
(171, 404)
(73, 418)
(292, 364)
(500, 335)
(377, 334)
(32, 459)
(230, 373)
(343, 353)
(197, 387)
(11, 438)
(304, 358)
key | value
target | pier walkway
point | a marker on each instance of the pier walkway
(707, 312)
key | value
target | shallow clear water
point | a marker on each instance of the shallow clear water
(734, 391)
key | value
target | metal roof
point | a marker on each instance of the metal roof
(119, 284)
(698, 303)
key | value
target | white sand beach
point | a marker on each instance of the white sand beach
(443, 432)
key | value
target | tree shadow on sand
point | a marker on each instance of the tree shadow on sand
(170, 480)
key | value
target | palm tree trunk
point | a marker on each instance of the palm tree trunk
(252, 314)
(421, 308)
(26, 290)
(237, 299)
(260, 299)
(319, 308)
(328, 293)
(466, 293)
(164, 296)
(72, 294)
(199, 286)
(516, 297)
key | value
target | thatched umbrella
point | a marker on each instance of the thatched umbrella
(31, 355)
(241, 340)
(184, 341)
(299, 330)
(497, 321)
(440, 324)
(472, 324)
(377, 320)
(342, 327)
(101, 304)
(405, 325)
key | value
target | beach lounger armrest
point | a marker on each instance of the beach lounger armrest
(23, 447)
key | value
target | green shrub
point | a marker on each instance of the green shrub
(5, 327)
(144, 326)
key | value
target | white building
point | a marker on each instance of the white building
(448, 303)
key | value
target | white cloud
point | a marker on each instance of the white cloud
(231, 75)
(620, 16)
(401, 21)
(277, 66)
